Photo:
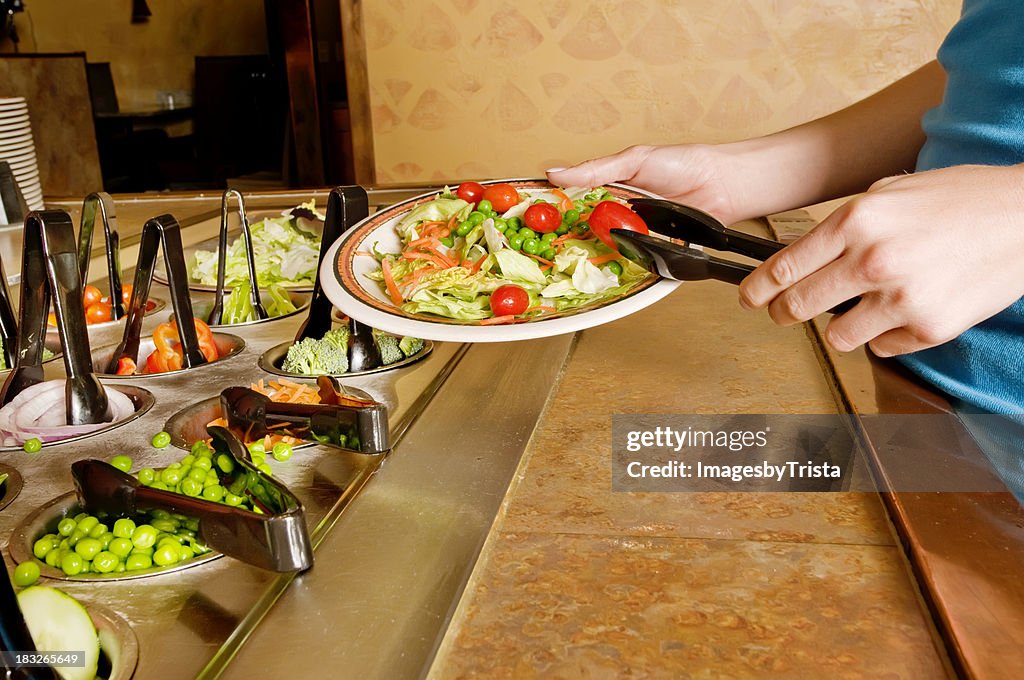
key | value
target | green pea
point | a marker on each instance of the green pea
(87, 523)
(549, 254)
(148, 552)
(72, 564)
(170, 476)
(282, 451)
(475, 217)
(448, 241)
(138, 562)
(211, 478)
(185, 552)
(531, 245)
(265, 469)
(501, 224)
(166, 555)
(197, 473)
(571, 216)
(233, 500)
(66, 526)
(464, 228)
(147, 475)
(514, 223)
(168, 540)
(214, 492)
(192, 524)
(199, 448)
(547, 238)
(41, 547)
(33, 445)
(484, 206)
(614, 267)
(191, 487)
(123, 463)
(26, 573)
(88, 548)
(105, 539)
(144, 536)
(98, 530)
(122, 547)
(526, 233)
(562, 230)
(75, 537)
(105, 562)
(124, 527)
(515, 242)
(225, 463)
(168, 525)
(160, 485)
(161, 440)
(54, 557)
(257, 447)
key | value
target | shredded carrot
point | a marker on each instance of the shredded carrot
(442, 262)
(601, 259)
(539, 259)
(565, 203)
(416, 274)
(494, 320)
(424, 241)
(452, 222)
(476, 265)
(585, 216)
(541, 308)
(389, 281)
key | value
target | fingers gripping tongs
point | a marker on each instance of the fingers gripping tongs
(681, 262)
(276, 539)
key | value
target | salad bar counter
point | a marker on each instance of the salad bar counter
(406, 523)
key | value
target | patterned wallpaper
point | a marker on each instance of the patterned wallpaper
(479, 89)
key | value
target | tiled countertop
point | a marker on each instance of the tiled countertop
(578, 581)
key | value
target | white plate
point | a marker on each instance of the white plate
(18, 121)
(343, 275)
(16, 145)
(19, 156)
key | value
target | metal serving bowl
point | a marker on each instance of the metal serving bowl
(45, 519)
(227, 345)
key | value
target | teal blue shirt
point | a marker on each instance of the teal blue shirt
(980, 121)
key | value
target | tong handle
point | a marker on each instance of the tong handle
(50, 271)
(751, 246)
(15, 635)
(100, 202)
(8, 324)
(217, 312)
(735, 272)
(165, 229)
(346, 206)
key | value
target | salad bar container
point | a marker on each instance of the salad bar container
(394, 535)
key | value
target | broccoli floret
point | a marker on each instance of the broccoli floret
(388, 346)
(301, 357)
(410, 345)
(332, 359)
(337, 337)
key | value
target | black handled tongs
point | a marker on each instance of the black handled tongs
(678, 261)
(102, 204)
(277, 539)
(346, 206)
(163, 229)
(49, 270)
(222, 253)
(8, 324)
(358, 425)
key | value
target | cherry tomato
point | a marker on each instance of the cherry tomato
(126, 293)
(470, 192)
(97, 313)
(610, 215)
(509, 299)
(91, 295)
(502, 196)
(543, 218)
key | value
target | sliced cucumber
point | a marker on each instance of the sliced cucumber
(58, 623)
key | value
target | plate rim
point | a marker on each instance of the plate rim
(330, 275)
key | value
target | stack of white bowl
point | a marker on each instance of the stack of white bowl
(18, 149)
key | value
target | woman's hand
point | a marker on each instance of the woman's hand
(694, 174)
(930, 254)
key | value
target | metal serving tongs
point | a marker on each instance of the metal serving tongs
(16, 637)
(680, 262)
(277, 539)
(8, 324)
(163, 229)
(101, 203)
(345, 206)
(353, 425)
(49, 270)
(222, 254)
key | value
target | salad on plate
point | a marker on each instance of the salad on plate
(501, 254)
